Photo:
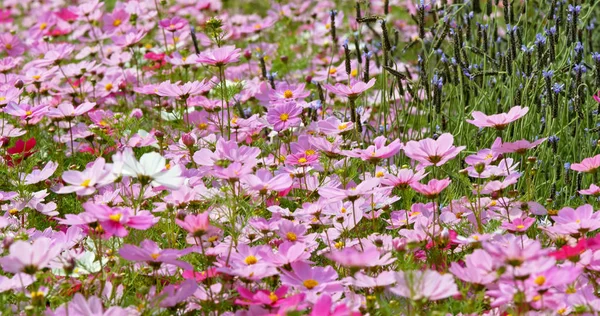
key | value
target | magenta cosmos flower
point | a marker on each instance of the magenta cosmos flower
(114, 220)
(284, 116)
(352, 91)
(431, 152)
(351, 257)
(428, 284)
(178, 90)
(518, 225)
(220, 56)
(150, 253)
(173, 24)
(590, 164)
(498, 121)
(519, 147)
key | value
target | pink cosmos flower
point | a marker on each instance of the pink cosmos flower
(173, 24)
(37, 175)
(93, 306)
(353, 91)
(26, 111)
(333, 126)
(183, 91)
(518, 225)
(85, 182)
(262, 297)
(478, 268)
(150, 253)
(171, 295)
(351, 257)
(220, 56)
(30, 257)
(428, 284)
(432, 189)
(284, 116)
(589, 165)
(285, 92)
(498, 121)
(431, 152)
(336, 194)
(325, 307)
(519, 147)
(574, 221)
(264, 182)
(196, 225)
(384, 278)
(114, 220)
(377, 151)
(403, 179)
(311, 279)
(593, 190)
(67, 110)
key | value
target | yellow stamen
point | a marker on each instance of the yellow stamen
(342, 126)
(85, 183)
(540, 280)
(291, 236)
(284, 117)
(115, 217)
(155, 256)
(250, 260)
(302, 160)
(288, 94)
(117, 22)
(108, 86)
(273, 297)
(310, 284)
(43, 26)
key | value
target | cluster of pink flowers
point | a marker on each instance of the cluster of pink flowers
(152, 168)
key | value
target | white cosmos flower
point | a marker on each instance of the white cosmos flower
(152, 166)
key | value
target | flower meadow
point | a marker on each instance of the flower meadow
(214, 157)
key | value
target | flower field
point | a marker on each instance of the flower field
(301, 157)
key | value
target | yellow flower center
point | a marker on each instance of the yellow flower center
(342, 126)
(540, 280)
(310, 284)
(28, 113)
(291, 236)
(154, 256)
(85, 183)
(37, 294)
(332, 71)
(379, 174)
(339, 245)
(343, 210)
(8, 46)
(302, 160)
(328, 26)
(257, 26)
(43, 26)
(171, 26)
(520, 226)
(493, 203)
(117, 22)
(476, 237)
(537, 298)
(309, 152)
(578, 221)
(202, 126)
(250, 260)
(213, 238)
(2, 98)
(115, 217)
(354, 73)
(288, 94)
(284, 117)
(108, 86)
(13, 211)
(36, 77)
(273, 297)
